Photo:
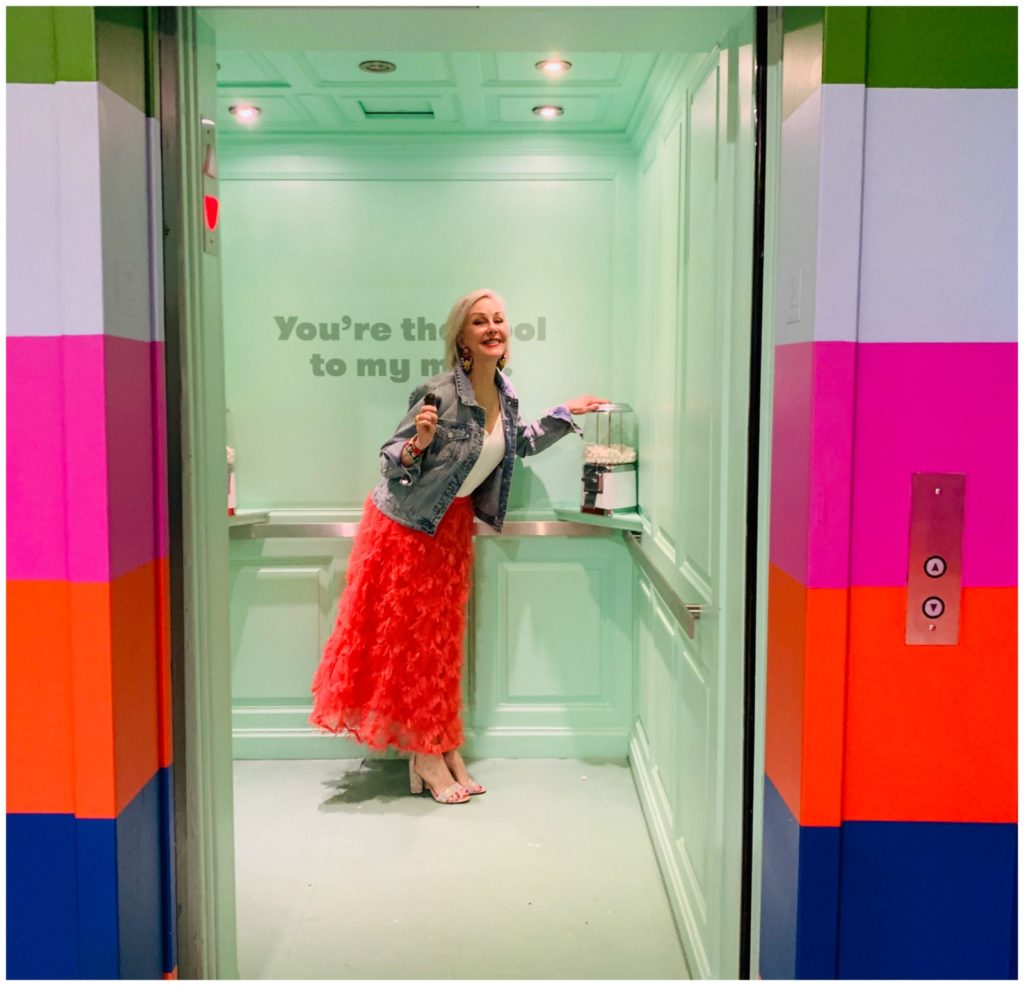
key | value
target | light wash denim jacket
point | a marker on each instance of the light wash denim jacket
(418, 495)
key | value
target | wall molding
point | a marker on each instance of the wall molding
(283, 733)
(669, 861)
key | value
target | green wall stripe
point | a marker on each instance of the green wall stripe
(801, 56)
(844, 56)
(51, 44)
(942, 47)
(152, 64)
(121, 52)
(794, 18)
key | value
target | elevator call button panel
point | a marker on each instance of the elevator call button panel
(934, 562)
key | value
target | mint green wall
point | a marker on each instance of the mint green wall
(376, 232)
(691, 380)
(347, 235)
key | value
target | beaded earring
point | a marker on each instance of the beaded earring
(465, 358)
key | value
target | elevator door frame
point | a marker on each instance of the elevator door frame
(201, 691)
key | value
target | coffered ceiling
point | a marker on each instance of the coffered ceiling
(457, 70)
(321, 92)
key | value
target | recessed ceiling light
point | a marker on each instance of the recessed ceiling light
(553, 66)
(245, 112)
(548, 112)
(377, 65)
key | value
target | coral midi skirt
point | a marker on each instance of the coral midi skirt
(391, 671)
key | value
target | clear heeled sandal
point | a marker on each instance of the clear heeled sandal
(453, 794)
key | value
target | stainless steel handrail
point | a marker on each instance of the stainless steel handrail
(347, 530)
(686, 614)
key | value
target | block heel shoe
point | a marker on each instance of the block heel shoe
(453, 794)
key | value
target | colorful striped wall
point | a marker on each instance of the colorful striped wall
(890, 792)
(89, 834)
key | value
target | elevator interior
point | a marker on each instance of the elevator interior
(399, 159)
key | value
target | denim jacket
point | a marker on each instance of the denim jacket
(418, 495)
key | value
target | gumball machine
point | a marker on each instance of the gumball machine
(609, 461)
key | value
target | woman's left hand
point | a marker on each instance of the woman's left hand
(581, 405)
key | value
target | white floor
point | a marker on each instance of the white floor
(341, 874)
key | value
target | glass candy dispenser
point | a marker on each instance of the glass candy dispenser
(609, 460)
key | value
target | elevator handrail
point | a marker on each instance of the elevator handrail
(346, 530)
(686, 614)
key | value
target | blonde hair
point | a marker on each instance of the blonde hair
(457, 321)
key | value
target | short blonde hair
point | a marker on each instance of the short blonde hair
(457, 321)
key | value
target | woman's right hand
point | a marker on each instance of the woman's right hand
(426, 426)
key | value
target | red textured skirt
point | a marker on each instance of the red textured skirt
(391, 671)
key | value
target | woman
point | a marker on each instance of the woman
(390, 673)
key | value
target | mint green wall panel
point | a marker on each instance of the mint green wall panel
(552, 647)
(643, 646)
(663, 709)
(663, 345)
(694, 751)
(551, 619)
(283, 604)
(333, 298)
(703, 237)
(548, 648)
(51, 44)
(686, 748)
(285, 622)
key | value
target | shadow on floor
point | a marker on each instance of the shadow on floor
(387, 780)
(373, 780)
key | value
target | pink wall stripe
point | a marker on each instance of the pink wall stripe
(935, 407)
(161, 512)
(867, 417)
(35, 462)
(56, 443)
(791, 458)
(83, 473)
(828, 522)
(131, 469)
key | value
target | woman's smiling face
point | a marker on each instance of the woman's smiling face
(485, 333)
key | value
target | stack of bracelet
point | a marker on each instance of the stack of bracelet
(413, 449)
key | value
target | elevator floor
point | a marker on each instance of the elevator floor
(342, 874)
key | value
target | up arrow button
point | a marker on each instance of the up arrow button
(935, 567)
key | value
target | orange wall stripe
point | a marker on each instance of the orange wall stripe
(932, 731)
(92, 700)
(87, 692)
(40, 746)
(135, 667)
(163, 613)
(821, 790)
(784, 696)
(806, 685)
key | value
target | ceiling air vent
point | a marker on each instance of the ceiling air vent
(397, 109)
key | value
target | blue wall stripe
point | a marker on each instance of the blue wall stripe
(799, 895)
(817, 929)
(780, 856)
(96, 866)
(42, 897)
(167, 882)
(93, 898)
(139, 885)
(928, 900)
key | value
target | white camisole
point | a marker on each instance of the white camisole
(491, 454)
